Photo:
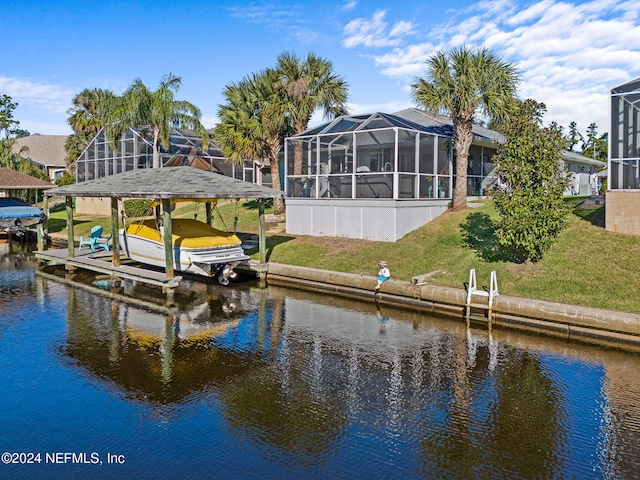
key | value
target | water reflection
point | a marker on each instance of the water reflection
(327, 387)
(155, 358)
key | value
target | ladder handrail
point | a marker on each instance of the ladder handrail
(473, 287)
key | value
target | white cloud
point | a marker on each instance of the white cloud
(385, 107)
(569, 52)
(374, 32)
(209, 121)
(350, 5)
(405, 62)
(28, 94)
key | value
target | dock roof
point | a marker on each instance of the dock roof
(14, 180)
(166, 183)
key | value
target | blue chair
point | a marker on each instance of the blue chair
(95, 239)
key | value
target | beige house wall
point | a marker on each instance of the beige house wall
(93, 206)
(623, 211)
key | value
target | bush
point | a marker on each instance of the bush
(603, 188)
(530, 185)
(65, 179)
(136, 208)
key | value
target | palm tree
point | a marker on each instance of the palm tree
(84, 121)
(158, 110)
(309, 85)
(253, 123)
(8, 157)
(18, 160)
(462, 83)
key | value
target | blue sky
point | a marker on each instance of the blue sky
(570, 53)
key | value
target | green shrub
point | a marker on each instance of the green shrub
(65, 179)
(528, 194)
(136, 208)
(603, 188)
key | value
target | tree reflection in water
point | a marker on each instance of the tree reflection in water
(312, 381)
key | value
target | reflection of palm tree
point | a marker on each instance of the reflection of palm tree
(519, 435)
(289, 414)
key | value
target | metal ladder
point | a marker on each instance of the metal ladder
(472, 291)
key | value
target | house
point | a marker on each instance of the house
(583, 174)
(623, 183)
(46, 151)
(135, 150)
(380, 176)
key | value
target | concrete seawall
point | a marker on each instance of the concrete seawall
(561, 320)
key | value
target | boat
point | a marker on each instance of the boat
(198, 248)
(16, 215)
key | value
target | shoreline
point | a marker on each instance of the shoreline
(570, 322)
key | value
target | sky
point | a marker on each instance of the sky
(569, 54)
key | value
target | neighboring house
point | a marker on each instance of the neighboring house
(135, 150)
(381, 176)
(583, 174)
(46, 151)
(623, 184)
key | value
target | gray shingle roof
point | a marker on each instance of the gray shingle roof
(168, 182)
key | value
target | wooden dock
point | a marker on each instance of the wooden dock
(101, 262)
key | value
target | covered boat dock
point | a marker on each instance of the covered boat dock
(161, 184)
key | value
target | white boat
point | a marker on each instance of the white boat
(16, 215)
(197, 247)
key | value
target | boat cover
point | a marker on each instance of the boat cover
(11, 208)
(186, 233)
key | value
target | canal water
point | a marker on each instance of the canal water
(242, 382)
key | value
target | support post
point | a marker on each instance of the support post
(45, 219)
(70, 236)
(42, 238)
(209, 212)
(114, 232)
(168, 234)
(40, 234)
(262, 240)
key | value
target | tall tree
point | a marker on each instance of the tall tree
(308, 85)
(462, 83)
(253, 123)
(595, 147)
(573, 136)
(159, 110)
(84, 121)
(18, 160)
(8, 125)
(528, 193)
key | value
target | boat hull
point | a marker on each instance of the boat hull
(209, 258)
(16, 215)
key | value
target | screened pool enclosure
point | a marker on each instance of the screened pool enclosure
(135, 150)
(369, 156)
(623, 184)
(378, 176)
(407, 155)
(624, 162)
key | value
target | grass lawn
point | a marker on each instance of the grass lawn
(586, 266)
